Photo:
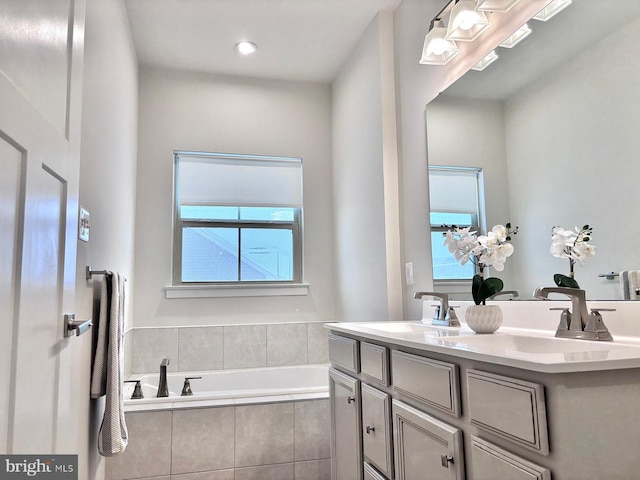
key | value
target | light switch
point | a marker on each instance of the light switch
(408, 273)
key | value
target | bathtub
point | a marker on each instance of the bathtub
(230, 387)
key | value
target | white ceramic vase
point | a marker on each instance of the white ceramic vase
(483, 318)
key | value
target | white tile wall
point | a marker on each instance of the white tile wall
(225, 347)
(283, 441)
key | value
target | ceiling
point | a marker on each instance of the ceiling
(301, 40)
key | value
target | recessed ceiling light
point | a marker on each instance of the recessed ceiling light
(246, 48)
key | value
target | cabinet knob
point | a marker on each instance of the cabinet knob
(370, 429)
(446, 460)
(351, 399)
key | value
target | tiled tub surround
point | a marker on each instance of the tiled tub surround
(282, 440)
(206, 348)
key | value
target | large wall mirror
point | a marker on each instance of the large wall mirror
(554, 124)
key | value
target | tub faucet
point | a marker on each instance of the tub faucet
(444, 314)
(577, 323)
(163, 388)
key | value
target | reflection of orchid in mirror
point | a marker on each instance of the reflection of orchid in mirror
(571, 244)
(489, 250)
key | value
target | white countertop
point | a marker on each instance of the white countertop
(529, 349)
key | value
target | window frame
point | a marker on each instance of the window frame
(476, 225)
(179, 224)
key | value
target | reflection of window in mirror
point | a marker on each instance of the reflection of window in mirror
(454, 196)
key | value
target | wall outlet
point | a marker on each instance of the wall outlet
(408, 273)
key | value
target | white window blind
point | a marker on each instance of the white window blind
(453, 190)
(214, 179)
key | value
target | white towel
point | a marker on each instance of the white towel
(108, 366)
(630, 284)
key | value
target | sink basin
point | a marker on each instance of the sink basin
(415, 328)
(532, 345)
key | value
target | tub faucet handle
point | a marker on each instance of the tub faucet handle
(186, 389)
(137, 389)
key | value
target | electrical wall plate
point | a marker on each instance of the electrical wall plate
(83, 225)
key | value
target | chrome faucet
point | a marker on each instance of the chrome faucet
(511, 293)
(163, 388)
(444, 314)
(577, 323)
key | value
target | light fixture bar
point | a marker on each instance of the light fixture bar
(552, 9)
(516, 37)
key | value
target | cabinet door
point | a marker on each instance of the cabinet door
(490, 462)
(376, 429)
(346, 441)
(425, 447)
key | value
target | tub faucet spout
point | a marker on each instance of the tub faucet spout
(163, 388)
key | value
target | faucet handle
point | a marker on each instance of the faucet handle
(186, 389)
(137, 389)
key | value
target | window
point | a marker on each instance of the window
(238, 219)
(455, 198)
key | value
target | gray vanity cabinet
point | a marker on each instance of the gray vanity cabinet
(490, 462)
(376, 429)
(425, 447)
(346, 449)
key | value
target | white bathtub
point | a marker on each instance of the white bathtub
(231, 386)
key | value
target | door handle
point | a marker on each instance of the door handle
(72, 325)
(370, 429)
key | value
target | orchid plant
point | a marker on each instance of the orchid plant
(491, 250)
(571, 244)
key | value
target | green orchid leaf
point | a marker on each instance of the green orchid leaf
(489, 287)
(564, 281)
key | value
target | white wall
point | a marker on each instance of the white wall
(471, 133)
(572, 145)
(361, 243)
(191, 111)
(107, 179)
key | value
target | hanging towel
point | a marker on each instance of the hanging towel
(107, 372)
(630, 284)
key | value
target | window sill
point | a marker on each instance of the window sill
(227, 291)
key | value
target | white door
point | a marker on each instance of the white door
(41, 49)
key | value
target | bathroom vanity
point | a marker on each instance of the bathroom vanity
(411, 401)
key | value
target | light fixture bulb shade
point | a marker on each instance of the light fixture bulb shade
(486, 61)
(516, 37)
(552, 9)
(496, 5)
(466, 23)
(437, 50)
(246, 48)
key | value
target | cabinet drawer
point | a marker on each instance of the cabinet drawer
(490, 462)
(425, 447)
(376, 428)
(510, 408)
(374, 362)
(343, 352)
(431, 382)
(371, 473)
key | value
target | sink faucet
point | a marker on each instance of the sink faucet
(511, 293)
(163, 388)
(444, 314)
(577, 323)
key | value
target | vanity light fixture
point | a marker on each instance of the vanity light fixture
(496, 5)
(246, 48)
(466, 23)
(437, 50)
(555, 7)
(486, 61)
(517, 36)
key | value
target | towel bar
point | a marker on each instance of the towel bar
(609, 275)
(90, 273)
